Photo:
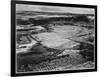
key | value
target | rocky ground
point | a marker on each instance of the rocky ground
(54, 42)
(63, 38)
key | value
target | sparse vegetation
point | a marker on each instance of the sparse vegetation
(22, 22)
(81, 18)
(44, 56)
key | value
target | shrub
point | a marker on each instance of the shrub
(81, 18)
(22, 22)
(87, 51)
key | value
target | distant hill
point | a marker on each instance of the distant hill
(48, 13)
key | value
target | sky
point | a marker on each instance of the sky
(41, 8)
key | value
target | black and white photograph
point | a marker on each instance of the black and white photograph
(54, 38)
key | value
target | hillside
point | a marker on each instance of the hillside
(54, 43)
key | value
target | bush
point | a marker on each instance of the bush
(31, 20)
(87, 51)
(81, 18)
(22, 22)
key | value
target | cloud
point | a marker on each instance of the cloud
(23, 7)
